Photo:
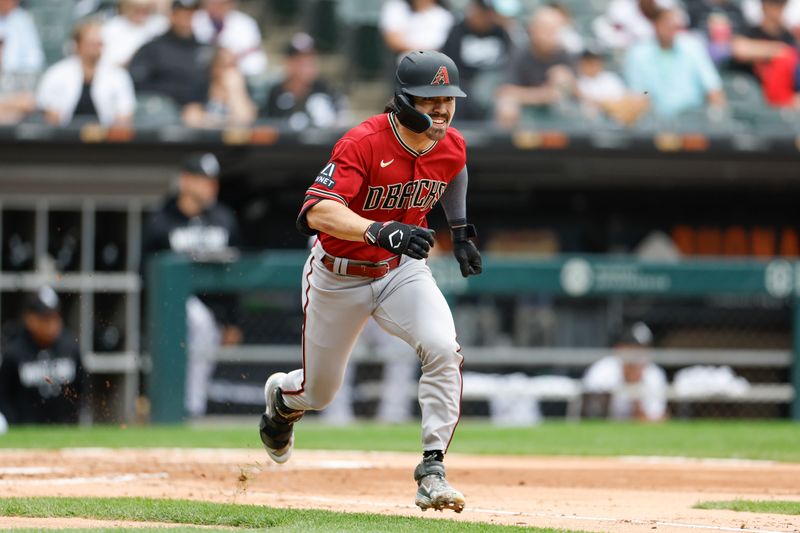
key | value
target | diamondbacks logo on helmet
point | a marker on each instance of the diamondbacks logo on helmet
(441, 78)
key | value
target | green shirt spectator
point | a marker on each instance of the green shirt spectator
(674, 69)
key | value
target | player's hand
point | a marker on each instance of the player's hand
(400, 238)
(467, 255)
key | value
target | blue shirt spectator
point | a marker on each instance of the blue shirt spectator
(673, 69)
(21, 51)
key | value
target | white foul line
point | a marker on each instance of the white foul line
(323, 499)
(122, 478)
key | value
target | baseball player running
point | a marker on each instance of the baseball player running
(368, 207)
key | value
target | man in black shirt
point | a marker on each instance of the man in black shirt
(192, 222)
(302, 98)
(480, 47)
(175, 64)
(769, 52)
(41, 377)
(540, 75)
(756, 45)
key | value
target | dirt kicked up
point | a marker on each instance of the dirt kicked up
(589, 494)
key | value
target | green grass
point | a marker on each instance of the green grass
(237, 516)
(775, 440)
(754, 506)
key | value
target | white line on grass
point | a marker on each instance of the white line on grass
(663, 459)
(339, 501)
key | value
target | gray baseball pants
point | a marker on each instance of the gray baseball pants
(406, 303)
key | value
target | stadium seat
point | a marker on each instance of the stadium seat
(356, 12)
(155, 110)
(363, 42)
(566, 116)
(324, 25)
(54, 22)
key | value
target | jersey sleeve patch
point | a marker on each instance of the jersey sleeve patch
(325, 178)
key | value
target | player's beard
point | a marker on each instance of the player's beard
(437, 132)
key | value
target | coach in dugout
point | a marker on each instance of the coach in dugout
(192, 222)
(41, 377)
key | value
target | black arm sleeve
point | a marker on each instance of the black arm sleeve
(454, 200)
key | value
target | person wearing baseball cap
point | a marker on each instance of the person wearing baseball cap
(302, 98)
(192, 222)
(41, 377)
(626, 384)
(480, 46)
(174, 64)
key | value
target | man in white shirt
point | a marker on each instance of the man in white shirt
(80, 86)
(219, 23)
(626, 384)
(21, 52)
(137, 23)
(415, 25)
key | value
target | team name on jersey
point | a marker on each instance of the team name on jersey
(418, 194)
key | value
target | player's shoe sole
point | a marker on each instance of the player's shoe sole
(452, 500)
(282, 454)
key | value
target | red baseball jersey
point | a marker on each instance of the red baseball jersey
(379, 177)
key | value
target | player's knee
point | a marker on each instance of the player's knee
(439, 352)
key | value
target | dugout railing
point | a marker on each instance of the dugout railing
(172, 279)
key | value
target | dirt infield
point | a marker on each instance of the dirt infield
(590, 494)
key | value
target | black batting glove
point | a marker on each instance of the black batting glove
(400, 238)
(467, 255)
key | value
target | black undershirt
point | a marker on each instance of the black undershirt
(85, 107)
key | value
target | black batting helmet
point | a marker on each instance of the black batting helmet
(428, 73)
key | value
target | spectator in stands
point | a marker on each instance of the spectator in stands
(22, 51)
(175, 64)
(717, 21)
(571, 39)
(192, 222)
(137, 23)
(16, 95)
(41, 377)
(754, 13)
(623, 24)
(770, 52)
(21, 59)
(227, 102)
(80, 87)
(302, 98)
(415, 24)
(626, 384)
(219, 23)
(673, 69)
(601, 91)
(480, 46)
(540, 75)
